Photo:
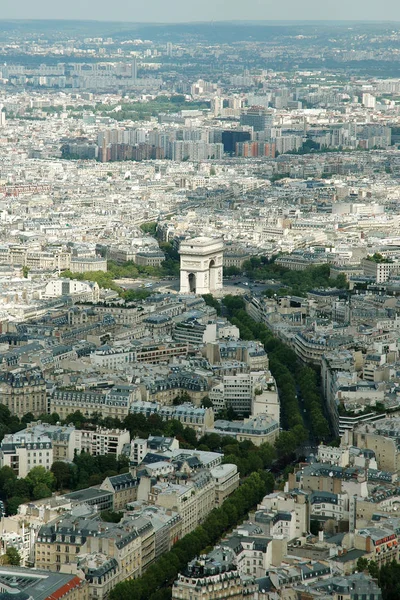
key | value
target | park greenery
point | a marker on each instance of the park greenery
(149, 227)
(153, 584)
(142, 111)
(378, 258)
(296, 283)
(130, 270)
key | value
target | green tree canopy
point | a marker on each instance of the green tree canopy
(13, 556)
(62, 474)
(40, 476)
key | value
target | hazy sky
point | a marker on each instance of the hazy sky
(200, 10)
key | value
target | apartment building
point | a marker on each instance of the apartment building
(82, 291)
(40, 259)
(311, 346)
(352, 587)
(192, 501)
(123, 315)
(87, 264)
(66, 441)
(194, 332)
(108, 358)
(286, 514)
(195, 417)
(252, 353)
(238, 391)
(167, 526)
(115, 403)
(154, 444)
(216, 574)
(258, 429)
(335, 456)
(123, 487)
(325, 505)
(60, 542)
(101, 572)
(380, 543)
(23, 451)
(379, 271)
(104, 441)
(255, 552)
(23, 390)
(165, 389)
(161, 352)
(382, 437)
(226, 479)
(330, 478)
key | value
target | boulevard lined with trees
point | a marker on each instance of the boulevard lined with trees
(295, 381)
(153, 584)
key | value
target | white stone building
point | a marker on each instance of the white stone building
(24, 450)
(201, 265)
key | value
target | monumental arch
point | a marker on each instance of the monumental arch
(201, 265)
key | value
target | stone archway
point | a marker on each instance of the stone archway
(212, 277)
(201, 265)
(192, 283)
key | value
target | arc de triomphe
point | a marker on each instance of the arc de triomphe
(201, 265)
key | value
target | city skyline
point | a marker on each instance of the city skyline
(199, 304)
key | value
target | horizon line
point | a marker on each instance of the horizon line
(205, 22)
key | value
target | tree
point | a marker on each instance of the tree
(52, 419)
(13, 504)
(27, 418)
(39, 476)
(211, 440)
(77, 419)
(286, 443)
(86, 462)
(6, 474)
(41, 491)
(13, 557)
(150, 227)
(106, 462)
(189, 435)
(123, 464)
(181, 399)
(110, 516)
(362, 564)
(267, 454)
(314, 527)
(232, 271)
(211, 301)
(206, 402)
(18, 487)
(5, 414)
(373, 569)
(62, 474)
(95, 479)
(174, 428)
